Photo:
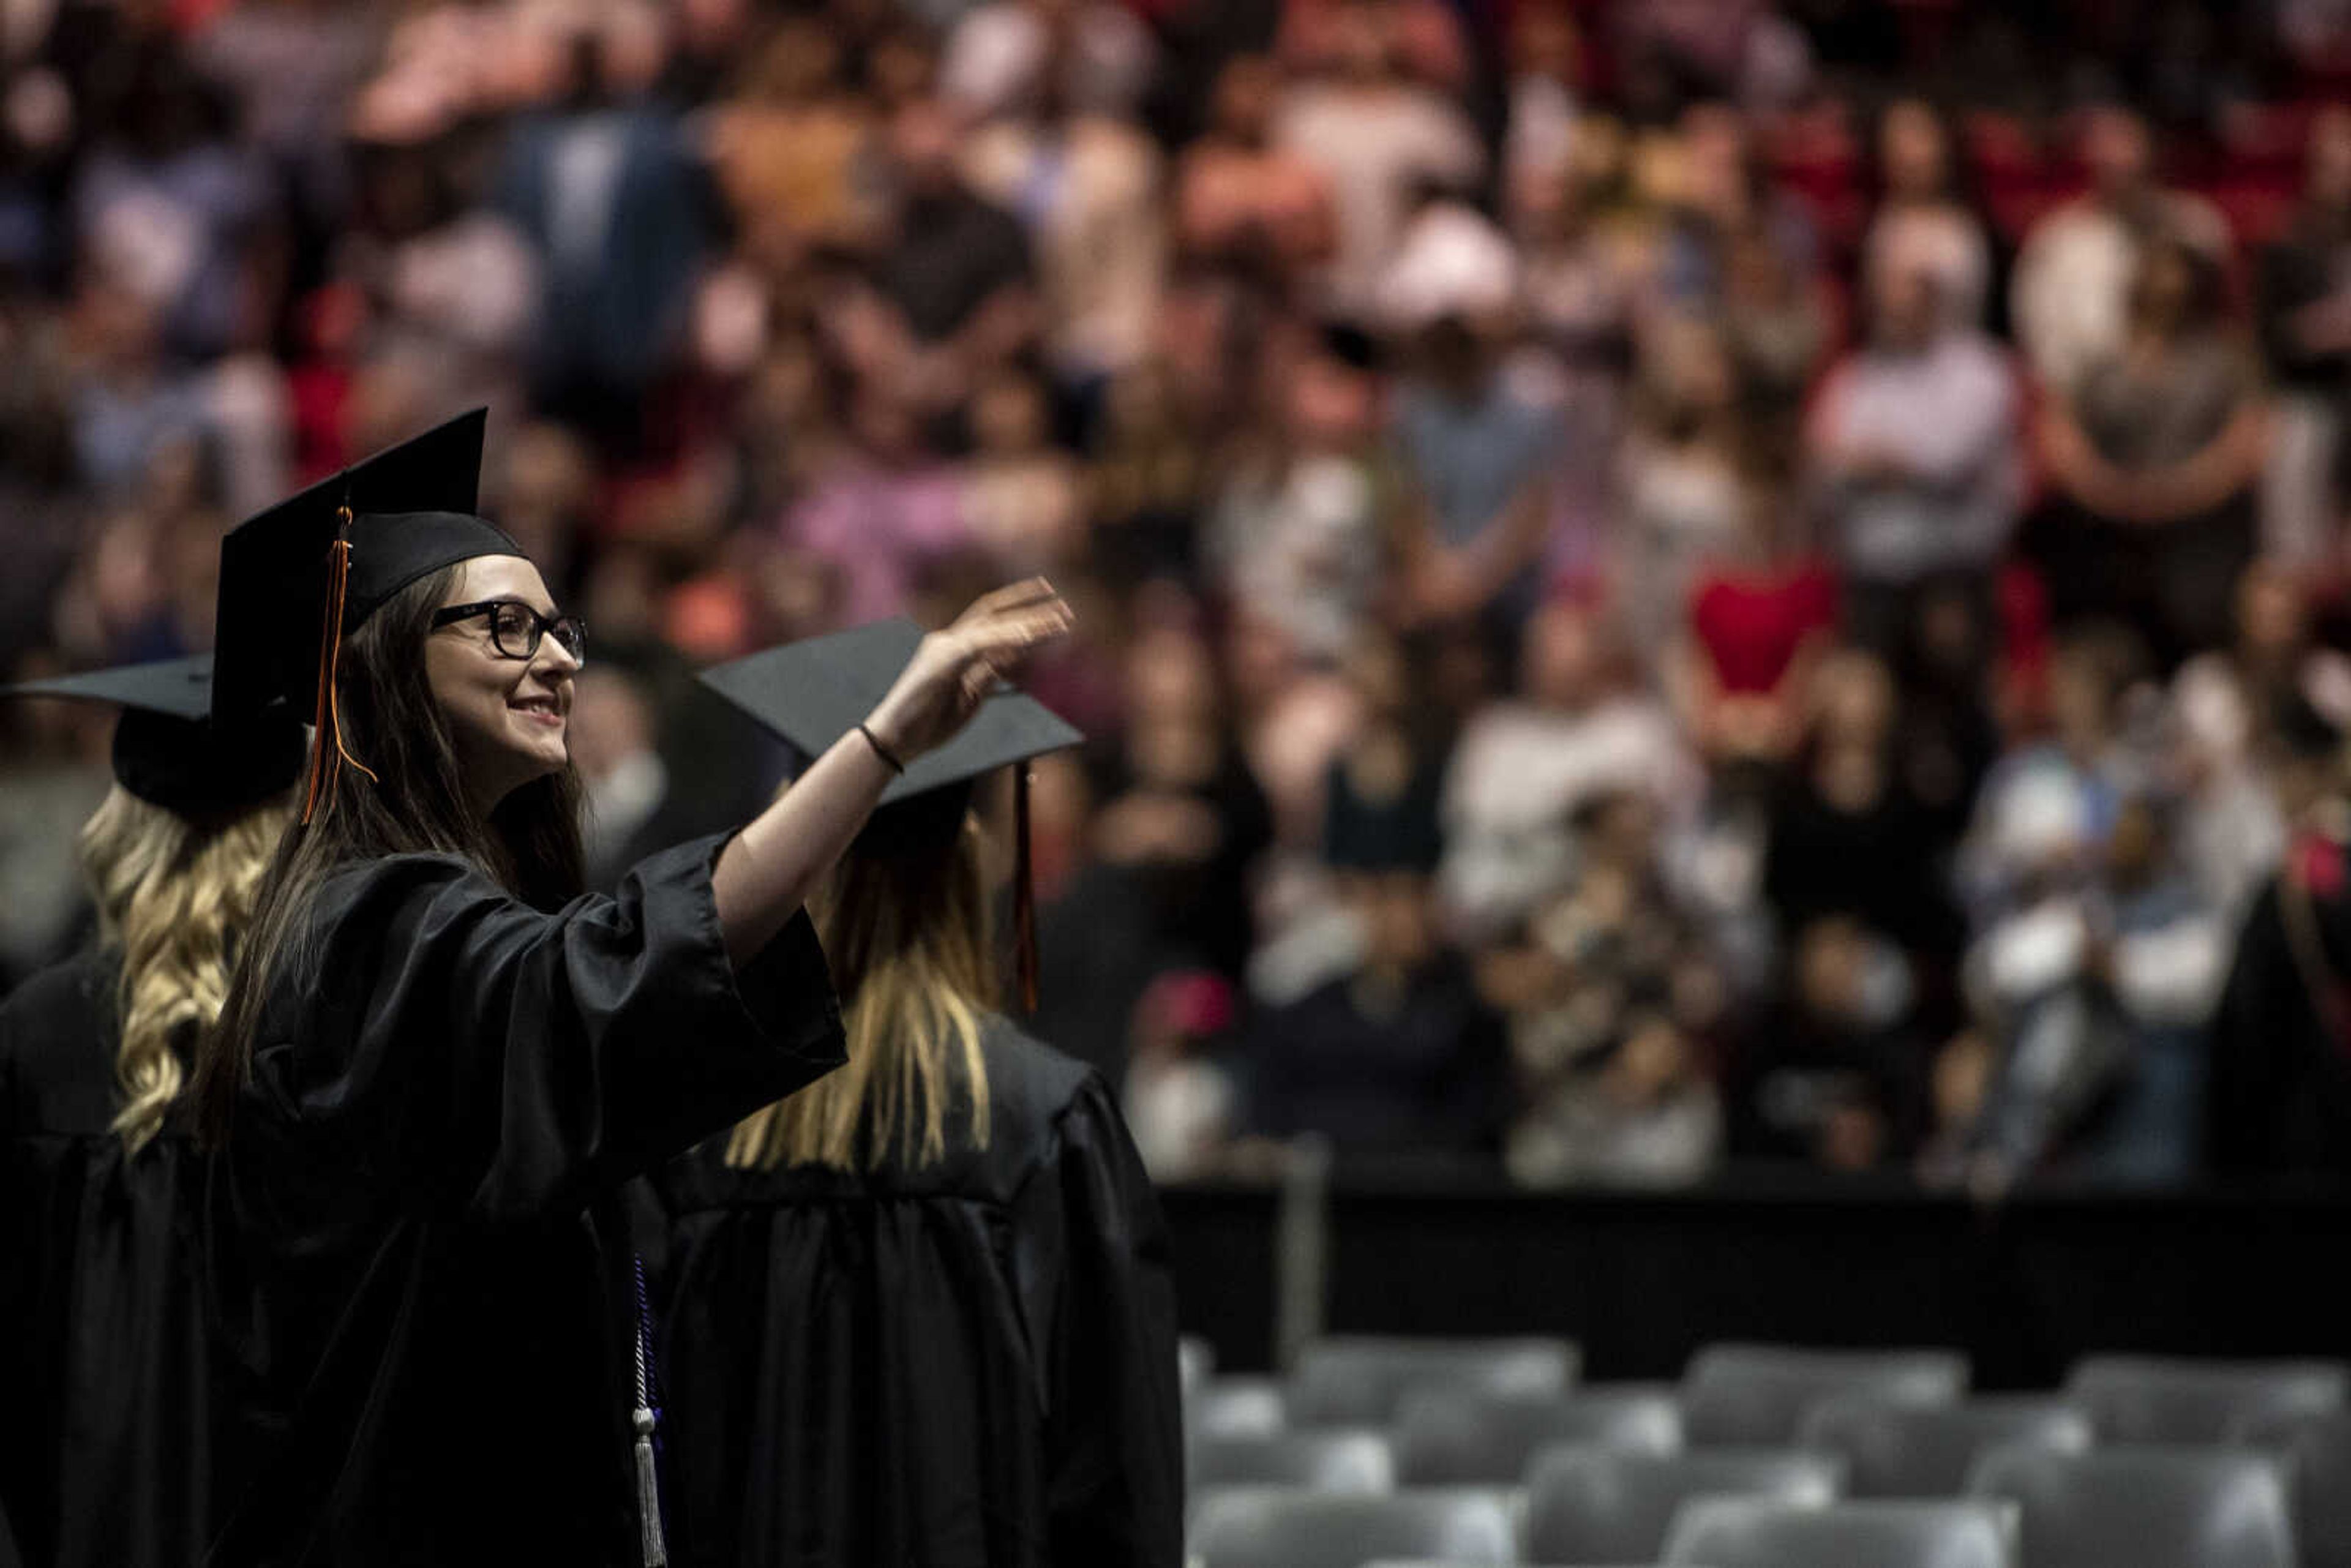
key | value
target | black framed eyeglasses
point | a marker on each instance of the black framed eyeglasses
(516, 628)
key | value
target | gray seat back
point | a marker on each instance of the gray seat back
(1458, 1435)
(1927, 1450)
(2144, 1508)
(1591, 1505)
(2316, 1451)
(1360, 1381)
(1232, 1406)
(1263, 1526)
(2161, 1399)
(1748, 1394)
(1750, 1532)
(1336, 1459)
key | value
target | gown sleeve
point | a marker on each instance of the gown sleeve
(444, 1034)
(1114, 1477)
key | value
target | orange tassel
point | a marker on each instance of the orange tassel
(327, 753)
(1024, 893)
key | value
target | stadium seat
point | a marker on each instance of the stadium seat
(1749, 1395)
(1346, 1382)
(2316, 1451)
(1927, 1450)
(1589, 1505)
(1756, 1532)
(2144, 1508)
(1273, 1527)
(1335, 1460)
(2152, 1399)
(1460, 1435)
(1236, 1406)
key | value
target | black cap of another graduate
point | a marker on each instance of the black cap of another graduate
(167, 749)
(406, 511)
(811, 693)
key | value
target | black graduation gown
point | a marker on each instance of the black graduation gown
(969, 1364)
(103, 1450)
(2278, 1101)
(412, 1230)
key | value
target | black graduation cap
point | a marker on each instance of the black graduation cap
(811, 693)
(296, 579)
(168, 751)
(410, 512)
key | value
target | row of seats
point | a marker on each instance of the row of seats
(1493, 1445)
(1739, 1395)
(2141, 1508)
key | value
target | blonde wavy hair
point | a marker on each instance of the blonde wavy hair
(907, 935)
(173, 897)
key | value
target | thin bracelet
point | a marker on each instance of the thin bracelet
(882, 751)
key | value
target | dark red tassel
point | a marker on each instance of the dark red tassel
(1024, 893)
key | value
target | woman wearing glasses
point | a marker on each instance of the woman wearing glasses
(440, 1059)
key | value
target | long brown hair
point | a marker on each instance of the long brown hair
(530, 845)
(174, 895)
(907, 935)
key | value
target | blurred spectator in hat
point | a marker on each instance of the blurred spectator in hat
(1574, 730)
(1922, 218)
(1381, 140)
(1477, 454)
(1914, 438)
(1400, 1055)
(1240, 199)
(2305, 317)
(2070, 297)
(1006, 56)
(2158, 451)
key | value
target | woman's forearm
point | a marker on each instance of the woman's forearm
(767, 871)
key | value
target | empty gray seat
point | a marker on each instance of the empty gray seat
(1349, 1381)
(2144, 1508)
(1331, 1459)
(1751, 1532)
(1229, 1407)
(1461, 1436)
(2159, 1399)
(1758, 1395)
(2316, 1451)
(1590, 1505)
(1927, 1450)
(1264, 1527)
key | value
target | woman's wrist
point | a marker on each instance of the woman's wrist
(890, 755)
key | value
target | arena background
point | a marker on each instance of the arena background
(1703, 620)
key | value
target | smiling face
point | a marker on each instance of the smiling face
(509, 718)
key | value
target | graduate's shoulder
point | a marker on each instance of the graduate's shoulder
(58, 1028)
(1033, 1089)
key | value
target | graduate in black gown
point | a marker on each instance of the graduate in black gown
(440, 1059)
(920, 1313)
(104, 1449)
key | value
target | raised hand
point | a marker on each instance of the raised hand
(954, 669)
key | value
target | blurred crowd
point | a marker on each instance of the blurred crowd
(1663, 582)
